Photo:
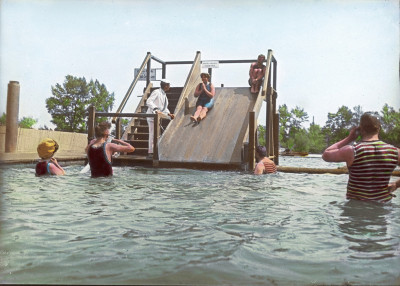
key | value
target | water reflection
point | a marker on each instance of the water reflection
(365, 226)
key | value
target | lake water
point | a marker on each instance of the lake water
(175, 226)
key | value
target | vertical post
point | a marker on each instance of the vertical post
(276, 137)
(148, 72)
(12, 117)
(156, 134)
(252, 141)
(118, 127)
(268, 122)
(275, 65)
(164, 70)
(91, 122)
(210, 73)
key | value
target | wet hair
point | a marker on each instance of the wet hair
(261, 150)
(101, 128)
(369, 123)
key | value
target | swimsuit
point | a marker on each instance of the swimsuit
(370, 172)
(269, 167)
(204, 100)
(43, 168)
(100, 166)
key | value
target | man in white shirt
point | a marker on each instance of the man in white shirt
(157, 103)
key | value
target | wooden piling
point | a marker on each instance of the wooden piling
(12, 117)
(276, 137)
(252, 139)
(91, 122)
(118, 128)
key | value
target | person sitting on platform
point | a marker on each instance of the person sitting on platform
(48, 165)
(205, 92)
(370, 162)
(257, 73)
(99, 151)
(264, 164)
(157, 103)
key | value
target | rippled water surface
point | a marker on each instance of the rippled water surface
(175, 226)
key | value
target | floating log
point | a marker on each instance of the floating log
(336, 171)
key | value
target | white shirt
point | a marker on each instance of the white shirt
(158, 99)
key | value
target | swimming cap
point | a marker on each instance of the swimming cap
(46, 148)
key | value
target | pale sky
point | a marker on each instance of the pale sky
(329, 53)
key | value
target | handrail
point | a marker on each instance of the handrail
(132, 86)
(116, 114)
(191, 77)
(267, 71)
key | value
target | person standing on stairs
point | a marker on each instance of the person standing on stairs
(157, 103)
(205, 92)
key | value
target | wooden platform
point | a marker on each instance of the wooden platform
(218, 139)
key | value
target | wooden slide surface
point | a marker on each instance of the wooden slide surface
(218, 138)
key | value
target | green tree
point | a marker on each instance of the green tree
(70, 101)
(27, 122)
(338, 125)
(390, 121)
(3, 119)
(299, 116)
(284, 124)
(299, 142)
(261, 135)
(316, 139)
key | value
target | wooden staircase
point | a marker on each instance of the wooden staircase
(138, 135)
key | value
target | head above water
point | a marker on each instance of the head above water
(261, 151)
(46, 148)
(102, 130)
(369, 124)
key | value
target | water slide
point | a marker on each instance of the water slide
(219, 137)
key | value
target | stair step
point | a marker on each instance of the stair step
(139, 143)
(139, 136)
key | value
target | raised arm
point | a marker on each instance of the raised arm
(124, 147)
(199, 89)
(209, 93)
(341, 151)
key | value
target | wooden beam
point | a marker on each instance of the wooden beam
(91, 122)
(252, 139)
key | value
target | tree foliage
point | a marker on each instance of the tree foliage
(315, 139)
(3, 119)
(25, 122)
(70, 101)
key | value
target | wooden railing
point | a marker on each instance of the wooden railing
(191, 81)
